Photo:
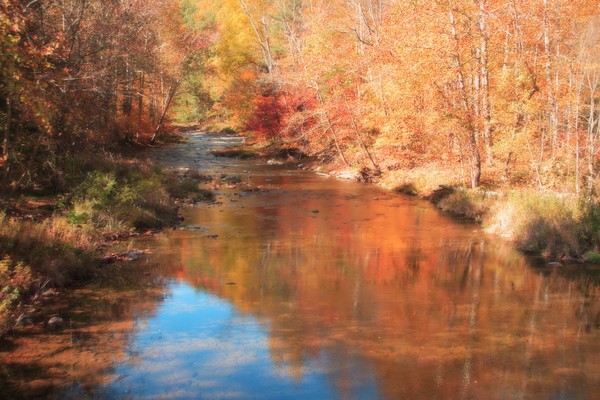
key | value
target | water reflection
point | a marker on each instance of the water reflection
(384, 298)
(299, 286)
(199, 346)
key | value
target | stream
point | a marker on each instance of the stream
(294, 285)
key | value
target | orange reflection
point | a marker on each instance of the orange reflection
(433, 308)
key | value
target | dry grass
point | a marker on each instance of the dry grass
(423, 180)
(537, 222)
(54, 248)
(540, 223)
(36, 254)
(470, 204)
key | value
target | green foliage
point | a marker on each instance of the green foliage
(194, 100)
(118, 200)
(592, 257)
(15, 280)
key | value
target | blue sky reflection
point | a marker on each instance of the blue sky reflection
(197, 346)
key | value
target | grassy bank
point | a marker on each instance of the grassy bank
(558, 226)
(55, 239)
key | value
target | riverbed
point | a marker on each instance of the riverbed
(294, 285)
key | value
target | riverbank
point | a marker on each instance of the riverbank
(54, 240)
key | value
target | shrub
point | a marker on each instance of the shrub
(469, 204)
(592, 257)
(590, 223)
(407, 188)
(187, 187)
(123, 198)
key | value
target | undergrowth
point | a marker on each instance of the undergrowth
(105, 197)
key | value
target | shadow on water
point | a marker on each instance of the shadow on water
(315, 288)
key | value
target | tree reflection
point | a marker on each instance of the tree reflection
(389, 286)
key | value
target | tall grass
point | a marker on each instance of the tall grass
(54, 249)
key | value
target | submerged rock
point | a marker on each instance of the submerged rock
(133, 255)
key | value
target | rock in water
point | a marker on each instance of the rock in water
(554, 264)
(55, 322)
(133, 255)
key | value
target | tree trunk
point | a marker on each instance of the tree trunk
(475, 157)
(484, 81)
(551, 97)
(140, 105)
(359, 136)
(161, 121)
(6, 144)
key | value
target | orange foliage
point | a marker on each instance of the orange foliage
(491, 84)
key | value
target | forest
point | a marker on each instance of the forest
(492, 92)
(497, 99)
(501, 92)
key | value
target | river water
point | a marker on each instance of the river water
(299, 286)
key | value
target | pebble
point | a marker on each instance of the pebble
(133, 255)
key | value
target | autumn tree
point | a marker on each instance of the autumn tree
(495, 90)
(79, 74)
